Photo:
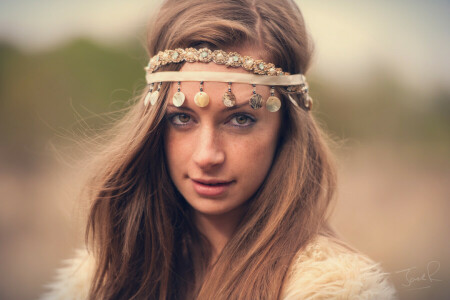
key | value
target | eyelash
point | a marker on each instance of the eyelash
(172, 116)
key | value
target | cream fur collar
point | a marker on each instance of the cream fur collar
(325, 270)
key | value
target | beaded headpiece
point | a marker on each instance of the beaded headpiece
(263, 73)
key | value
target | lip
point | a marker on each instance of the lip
(203, 189)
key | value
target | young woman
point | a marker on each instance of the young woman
(218, 180)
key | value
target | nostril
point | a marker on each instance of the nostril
(208, 152)
(206, 157)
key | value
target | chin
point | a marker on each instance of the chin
(212, 207)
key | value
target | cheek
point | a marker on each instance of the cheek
(174, 153)
(254, 157)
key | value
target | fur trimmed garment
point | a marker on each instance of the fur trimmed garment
(324, 270)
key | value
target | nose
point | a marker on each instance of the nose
(208, 151)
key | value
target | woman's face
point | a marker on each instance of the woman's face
(218, 157)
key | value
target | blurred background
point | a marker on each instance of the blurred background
(381, 84)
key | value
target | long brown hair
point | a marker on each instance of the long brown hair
(145, 243)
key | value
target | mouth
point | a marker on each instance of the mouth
(213, 184)
(211, 188)
(212, 181)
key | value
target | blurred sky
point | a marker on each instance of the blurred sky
(352, 37)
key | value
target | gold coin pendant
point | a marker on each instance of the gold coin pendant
(201, 99)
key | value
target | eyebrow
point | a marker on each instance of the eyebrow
(223, 110)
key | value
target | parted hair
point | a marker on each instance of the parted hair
(140, 227)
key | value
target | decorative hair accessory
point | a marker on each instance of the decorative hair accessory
(229, 99)
(149, 93)
(256, 99)
(178, 98)
(201, 99)
(273, 104)
(152, 97)
(263, 74)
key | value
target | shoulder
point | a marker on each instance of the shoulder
(72, 281)
(326, 269)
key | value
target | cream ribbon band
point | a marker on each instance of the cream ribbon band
(225, 77)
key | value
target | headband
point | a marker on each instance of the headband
(263, 74)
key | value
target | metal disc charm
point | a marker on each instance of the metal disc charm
(229, 99)
(308, 102)
(273, 104)
(154, 97)
(256, 101)
(178, 99)
(147, 98)
(201, 99)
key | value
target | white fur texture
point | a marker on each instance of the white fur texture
(325, 270)
(72, 281)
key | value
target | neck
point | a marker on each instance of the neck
(218, 229)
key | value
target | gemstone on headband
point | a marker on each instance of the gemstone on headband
(231, 59)
(219, 57)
